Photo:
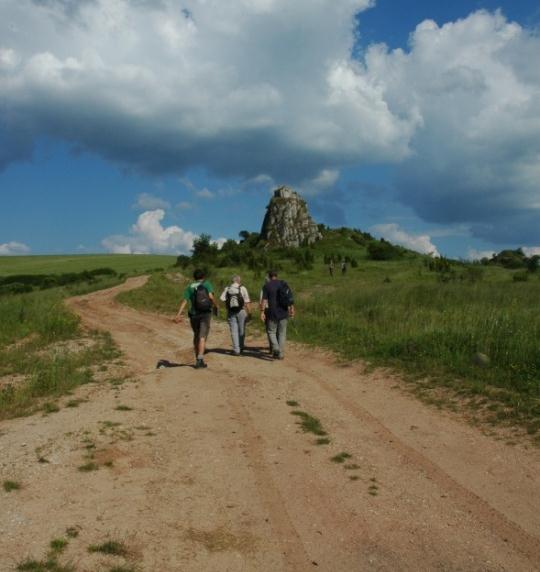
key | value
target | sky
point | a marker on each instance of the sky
(133, 126)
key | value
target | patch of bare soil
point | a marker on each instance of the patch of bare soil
(208, 470)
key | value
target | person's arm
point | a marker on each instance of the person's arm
(264, 303)
(247, 301)
(178, 318)
(292, 311)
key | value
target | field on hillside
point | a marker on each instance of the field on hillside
(44, 353)
(468, 342)
(121, 263)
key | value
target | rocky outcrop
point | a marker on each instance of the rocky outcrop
(287, 221)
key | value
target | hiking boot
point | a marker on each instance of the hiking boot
(199, 364)
(275, 354)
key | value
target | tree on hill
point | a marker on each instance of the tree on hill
(383, 250)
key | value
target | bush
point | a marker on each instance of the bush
(382, 250)
(522, 276)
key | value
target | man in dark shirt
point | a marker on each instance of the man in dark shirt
(275, 313)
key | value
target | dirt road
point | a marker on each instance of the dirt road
(209, 470)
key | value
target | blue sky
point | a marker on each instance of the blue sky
(129, 126)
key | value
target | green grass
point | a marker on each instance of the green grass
(159, 295)
(49, 565)
(309, 424)
(49, 407)
(47, 374)
(11, 486)
(123, 408)
(58, 545)
(292, 403)
(88, 467)
(111, 547)
(34, 323)
(121, 263)
(341, 457)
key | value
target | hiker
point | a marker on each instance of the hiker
(266, 280)
(277, 305)
(343, 267)
(237, 302)
(200, 295)
(331, 268)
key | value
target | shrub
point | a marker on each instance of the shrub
(521, 276)
(382, 250)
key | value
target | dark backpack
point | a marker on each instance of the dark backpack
(234, 299)
(201, 299)
(285, 296)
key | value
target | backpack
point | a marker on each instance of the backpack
(234, 299)
(201, 299)
(284, 296)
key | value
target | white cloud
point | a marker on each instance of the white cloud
(418, 242)
(205, 194)
(148, 84)
(474, 86)
(13, 248)
(148, 235)
(164, 89)
(474, 254)
(219, 242)
(184, 206)
(323, 182)
(531, 251)
(146, 201)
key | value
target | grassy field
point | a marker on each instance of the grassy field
(121, 263)
(465, 343)
(469, 343)
(44, 353)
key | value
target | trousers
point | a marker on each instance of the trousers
(277, 334)
(237, 325)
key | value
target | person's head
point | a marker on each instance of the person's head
(198, 274)
(236, 279)
(272, 274)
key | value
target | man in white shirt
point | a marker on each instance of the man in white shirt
(237, 302)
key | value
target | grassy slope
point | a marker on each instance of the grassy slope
(32, 324)
(121, 263)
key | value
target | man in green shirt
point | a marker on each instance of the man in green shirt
(200, 295)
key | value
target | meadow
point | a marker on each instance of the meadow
(463, 337)
(44, 353)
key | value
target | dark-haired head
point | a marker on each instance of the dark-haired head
(198, 274)
(272, 274)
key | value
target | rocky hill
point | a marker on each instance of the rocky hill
(287, 221)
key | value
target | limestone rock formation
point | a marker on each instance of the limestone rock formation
(287, 221)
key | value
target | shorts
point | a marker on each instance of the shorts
(200, 324)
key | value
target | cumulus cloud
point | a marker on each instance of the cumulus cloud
(146, 201)
(205, 194)
(531, 250)
(418, 242)
(241, 88)
(245, 88)
(474, 85)
(13, 248)
(148, 235)
(474, 254)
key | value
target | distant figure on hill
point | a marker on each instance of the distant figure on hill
(277, 305)
(237, 302)
(200, 295)
(331, 267)
(343, 267)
